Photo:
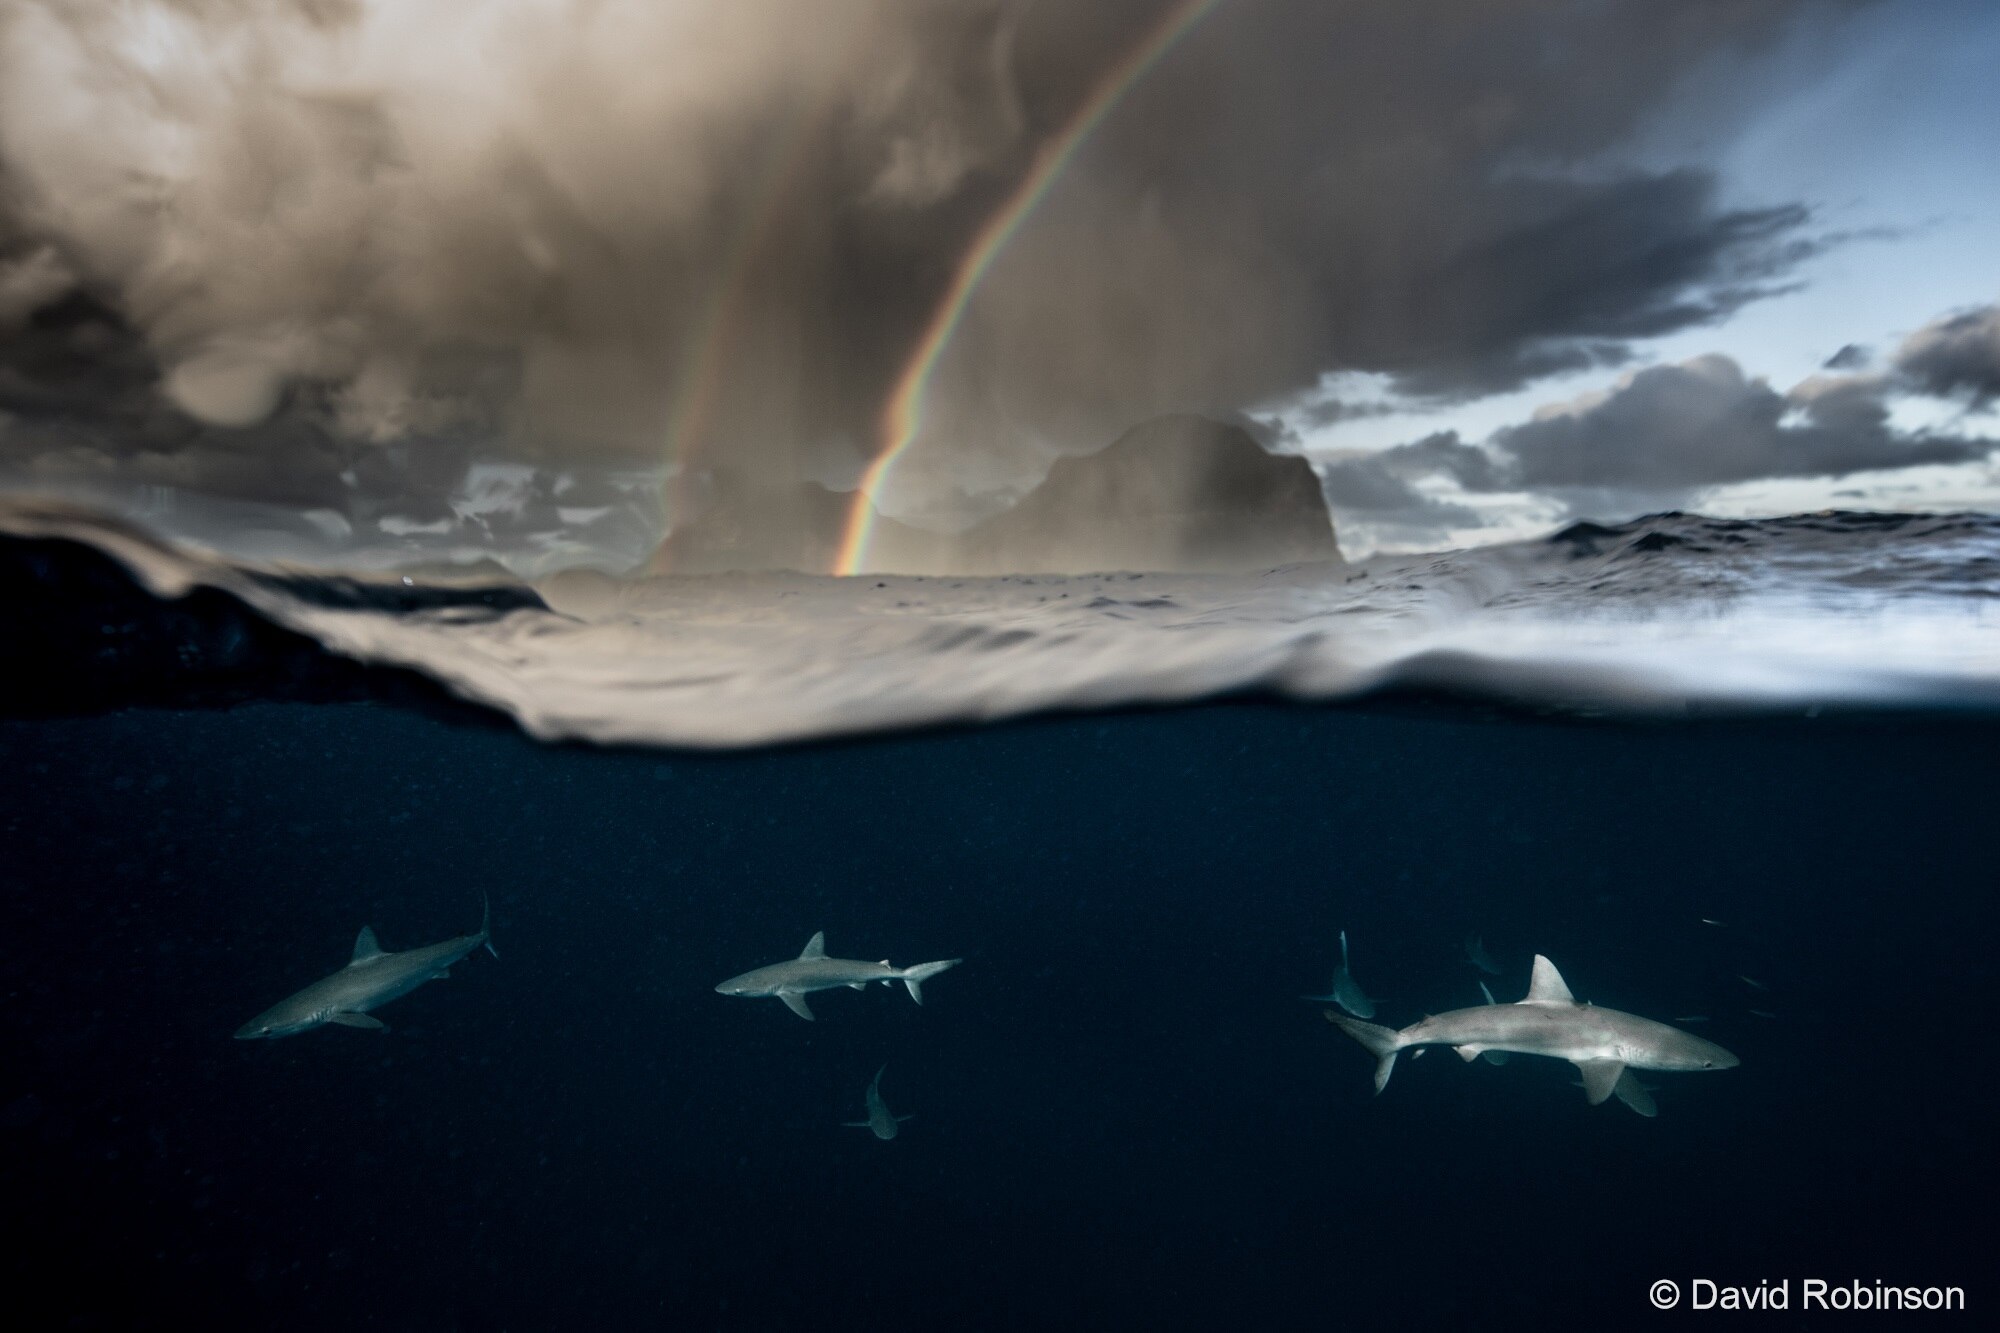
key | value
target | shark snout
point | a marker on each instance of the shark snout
(1707, 1055)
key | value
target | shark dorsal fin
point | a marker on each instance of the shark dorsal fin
(816, 946)
(366, 947)
(1546, 986)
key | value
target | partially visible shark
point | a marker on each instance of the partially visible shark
(1346, 991)
(371, 979)
(1490, 1057)
(885, 1125)
(796, 978)
(1475, 953)
(1637, 1095)
(1602, 1043)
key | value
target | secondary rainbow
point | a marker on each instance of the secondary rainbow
(903, 414)
(691, 401)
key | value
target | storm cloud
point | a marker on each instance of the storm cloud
(1668, 433)
(1956, 356)
(321, 252)
(1663, 437)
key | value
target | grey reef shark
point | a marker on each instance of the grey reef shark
(1604, 1044)
(1346, 991)
(372, 978)
(796, 978)
(885, 1125)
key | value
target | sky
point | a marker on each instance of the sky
(1871, 123)
(344, 281)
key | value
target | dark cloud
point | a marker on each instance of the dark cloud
(1670, 432)
(1590, 268)
(1662, 438)
(1957, 356)
(716, 229)
(1379, 489)
(1332, 411)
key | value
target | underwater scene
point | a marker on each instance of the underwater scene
(990, 664)
(1120, 1100)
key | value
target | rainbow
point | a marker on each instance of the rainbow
(902, 415)
(692, 399)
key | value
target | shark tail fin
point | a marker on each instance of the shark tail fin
(1382, 1043)
(486, 925)
(914, 977)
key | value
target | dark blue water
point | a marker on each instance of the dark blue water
(1125, 1117)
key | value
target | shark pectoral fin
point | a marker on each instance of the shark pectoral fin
(442, 974)
(1469, 1053)
(1600, 1077)
(797, 1004)
(366, 947)
(1636, 1095)
(358, 1021)
(1547, 985)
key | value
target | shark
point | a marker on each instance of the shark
(1491, 1057)
(795, 978)
(1637, 1095)
(1602, 1043)
(1346, 991)
(1475, 953)
(885, 1125)
(372, 978)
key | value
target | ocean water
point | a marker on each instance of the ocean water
(1752, 793)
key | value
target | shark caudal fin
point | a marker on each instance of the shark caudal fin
(1382, 1043)
(914, 977)
(1333, 993)
(1475, 953)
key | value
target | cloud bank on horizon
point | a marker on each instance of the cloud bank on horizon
(412, 279)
